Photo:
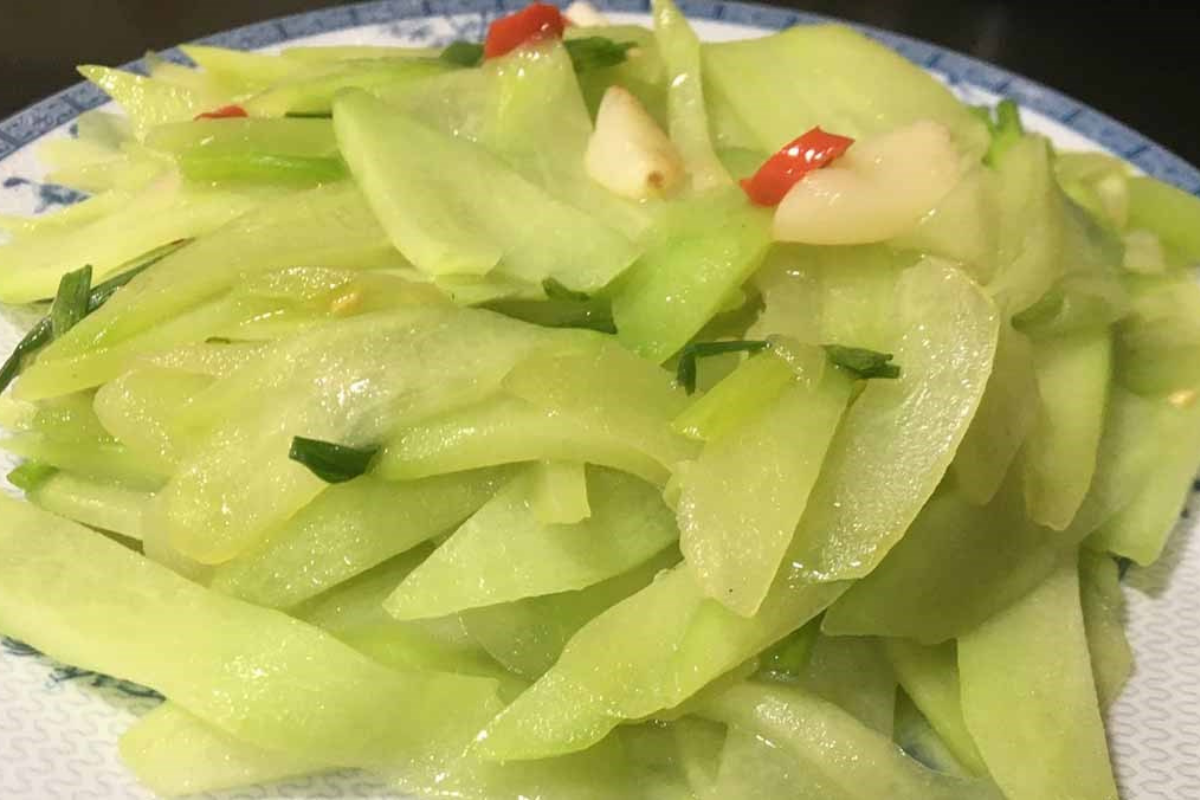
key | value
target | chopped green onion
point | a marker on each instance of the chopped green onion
(863, 362)
(332, 463)
(1004, 125)
(596, 52)
(38, 337)
(463, 54)
(685, 373)
(30, 475)
(72, 300)
(309, 114)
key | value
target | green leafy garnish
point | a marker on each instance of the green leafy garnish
(1004, 124)
(862, 362)
(332, 463)
(38, 337)
(463, 54)
(309, 114)
(30, 475)
(72, 301)
(685, 372)
(596, 52)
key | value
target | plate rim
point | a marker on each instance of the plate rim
(44, 116)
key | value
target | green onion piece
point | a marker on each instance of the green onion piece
(1004, 126)
(38, 337)
(30, 475)
(596, 52)
(862, 362)
(332, 463)
(556, 291)
(72, 300)
(309, 114)
(463, 54)
(104, 290)
(685, 372)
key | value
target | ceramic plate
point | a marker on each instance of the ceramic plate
(59, 725)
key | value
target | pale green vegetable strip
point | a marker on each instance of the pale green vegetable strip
(1029, 698)
(146, 101)
(736, 399)
(374, 370)
(899, 437)
(330, 226)
(853, 86)
(741, 500)
(249, 671)
(962, 226)
(511, 555)
(845, 755)
(1104, 622)
(349, 529)
(320, 54)
(528, 636)
(99, 505)
(238, 71)
(1157, 346)
(687, 118)
(1168, 211)
(215, 360)
(453, 208)
(852, 673)
(1006, 414)
(292, 137)
(163, 213)
(175, 753)
(714, 244)
(140, 408)
(1060, 455)
(929, 676)
(559, 493)
(104, 461)
(918, 738)
(753, 766)
(316, 93)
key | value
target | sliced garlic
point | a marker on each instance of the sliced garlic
(879, 189)
(585, 15)
(628, 153)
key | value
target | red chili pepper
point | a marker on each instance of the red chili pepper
(535, 21)
(780, 172)
(224, 112)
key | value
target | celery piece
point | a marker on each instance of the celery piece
(511, 556)
(687, 117)
(648, 653)
(559, 494)
(239, 72)
(140, 409)
(856, 87)
(149, 102)
(708, 248)
(1157, 347)
(315, 94)
(375, 371)
(1029, 699)
(736, 399)
(514, 225)
(162, 213)
(175, 753)
(100, 505)
(852, 673)
(528, 636)
(349, 529)
(929, 676)
(838, 756)
(1168, 211)
(330, 226)
(1006, 415)
(268, 168)
(1104, 622)
(310, 138)
(899, 436)
(248, 671)
(741, 500)
(1059, 457)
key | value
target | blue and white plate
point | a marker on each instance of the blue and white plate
(59, 726)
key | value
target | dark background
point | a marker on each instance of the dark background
(1136, 61)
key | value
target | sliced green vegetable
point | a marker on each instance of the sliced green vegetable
(685, 372)
(1104, 622)
(30, 475)
(71, 302)
(106, 506)
(852, 673)
(311, 94)
(1168, 211)
(753, 385)
(559, 492)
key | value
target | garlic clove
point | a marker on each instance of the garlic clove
(628, 153)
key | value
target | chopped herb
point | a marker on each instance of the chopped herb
(30, 475)
(332, 463)
(556, 291)
(596, 52)
(72, 301)
(863, 362)
(1004, 125)
(463, 54)
(42, 333)
(309, 114)
(685, 373)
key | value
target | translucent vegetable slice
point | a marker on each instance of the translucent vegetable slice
(511, 555)
(148, 101)
(446, 224)
(140, 409)
(559, 492)
(1104, 622)
(100, 505)
(248, 671)
(315, 94)
(899, 437)
(1029, 698)
(852, 673)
